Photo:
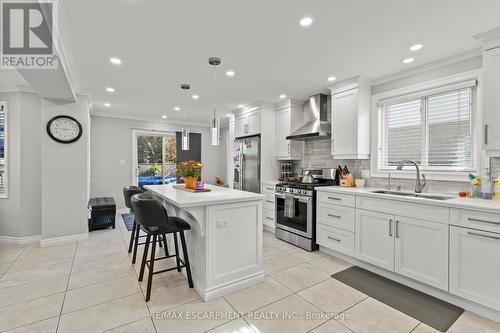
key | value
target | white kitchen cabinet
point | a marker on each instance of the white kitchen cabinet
(474, 266)
(374, 238)
(421, 251)
(491, 100)
(288, 119)
(350, 120)
(248, 124)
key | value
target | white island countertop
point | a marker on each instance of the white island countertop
(217, 195)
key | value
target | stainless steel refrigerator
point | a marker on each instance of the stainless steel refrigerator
(247, 164)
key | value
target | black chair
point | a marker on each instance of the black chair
(154, 221)
(128, 192)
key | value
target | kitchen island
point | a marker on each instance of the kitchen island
(225, 240)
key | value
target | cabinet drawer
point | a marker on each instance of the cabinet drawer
(268, 189)
(335, 216)
(475, 219)
(268, 217)
(269, 202)
(402, 208)
(335, 239)
(337, 199)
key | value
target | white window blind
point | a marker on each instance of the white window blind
(435, 130)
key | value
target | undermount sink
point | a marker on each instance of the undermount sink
(414, 195)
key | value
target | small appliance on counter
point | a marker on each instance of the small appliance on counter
(296, 207)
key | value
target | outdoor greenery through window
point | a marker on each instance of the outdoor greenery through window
(156, 157)
(434, 130)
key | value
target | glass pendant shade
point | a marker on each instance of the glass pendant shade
(215, 131)
(185, 139)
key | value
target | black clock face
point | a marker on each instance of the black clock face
(64, 129)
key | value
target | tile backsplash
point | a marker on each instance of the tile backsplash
(317, 155)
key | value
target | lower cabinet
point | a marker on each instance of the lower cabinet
(415, 248)
(335, 239)
(421, 251)
(375, 238)
(475, 265)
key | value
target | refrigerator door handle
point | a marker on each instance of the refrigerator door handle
(242, 159)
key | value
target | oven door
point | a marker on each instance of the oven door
(301, 222)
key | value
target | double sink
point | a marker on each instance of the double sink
(414, 195)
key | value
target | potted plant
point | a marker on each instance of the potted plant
(190, 171)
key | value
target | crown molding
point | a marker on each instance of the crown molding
(429, 66)
(140, 118)
(489, 39)
(17, 88)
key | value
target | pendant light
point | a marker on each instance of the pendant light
(185, 130)
(215, 122)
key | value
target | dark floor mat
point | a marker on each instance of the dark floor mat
(425, 308)
(128, 219)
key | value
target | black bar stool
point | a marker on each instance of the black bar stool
(128, 192)
(154, 221)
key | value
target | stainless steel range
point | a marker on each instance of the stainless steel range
(296, 208)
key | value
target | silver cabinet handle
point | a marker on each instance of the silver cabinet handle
(486, 128)
(483, 235)
(333, 198)
(335, 216)
(269, 218)
(334, 239)
(288, 149)
(270, 188)
(397, 228)
(269, 201)
(482, 221)
(390, 227)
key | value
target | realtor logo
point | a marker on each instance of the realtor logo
(28, 31)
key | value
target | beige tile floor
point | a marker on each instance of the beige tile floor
(91, 286)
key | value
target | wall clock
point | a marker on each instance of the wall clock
(64, 129)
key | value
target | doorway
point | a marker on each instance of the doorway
(154, 158)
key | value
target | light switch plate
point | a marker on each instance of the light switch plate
(122, 161)
(222, 224)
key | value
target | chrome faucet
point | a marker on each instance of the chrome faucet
(420, 184)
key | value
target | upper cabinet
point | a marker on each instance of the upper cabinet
(288, 119)
(491, 90)
(350, 119)
(248, 124)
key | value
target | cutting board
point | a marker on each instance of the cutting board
(192, 190)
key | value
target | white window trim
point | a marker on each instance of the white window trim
(5, 195)
(423, 88)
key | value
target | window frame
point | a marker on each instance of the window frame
(5, 195)
(419, 91)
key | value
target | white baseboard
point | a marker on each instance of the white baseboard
(64, 239)
(7, 240)
(218, 291)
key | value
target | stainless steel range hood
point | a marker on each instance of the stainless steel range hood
(318, 126)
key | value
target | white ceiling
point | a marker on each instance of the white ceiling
(165, 43)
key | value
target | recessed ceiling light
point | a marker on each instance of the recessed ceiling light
(195, 96)
(332, 78)
(107, 105)
(164, 117)
(228, 115)
(241, 105)
(306, 21)
(416, 47)
(230, 73)
(176, 108)
(282, 96)
(408, 60)
(110, 89)
(115, 61)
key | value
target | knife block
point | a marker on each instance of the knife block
(347, 181)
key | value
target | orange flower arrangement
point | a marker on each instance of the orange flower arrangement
(190, 171)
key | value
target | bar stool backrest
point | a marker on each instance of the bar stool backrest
(128, 192)
(149, 212)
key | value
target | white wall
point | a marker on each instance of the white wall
(20, 212)
(111, 141)
(65, 174)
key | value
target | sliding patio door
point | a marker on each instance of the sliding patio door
(154, 158)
